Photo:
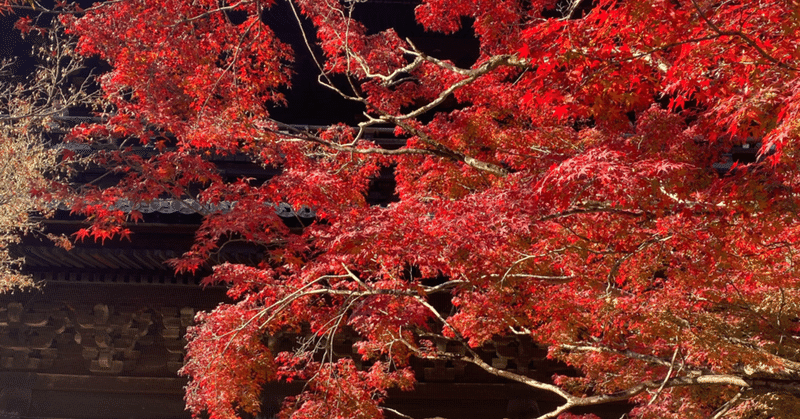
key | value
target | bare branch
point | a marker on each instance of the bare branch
(592, 209)
(626, 353)
(473, 74)
(443, 287)
(438, 150)
(395, 412)
(719, 413)
(669, 374)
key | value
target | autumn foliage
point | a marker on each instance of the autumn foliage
(29, 108)
(573, 185)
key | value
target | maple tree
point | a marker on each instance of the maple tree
(29, 109)
(560, 188)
